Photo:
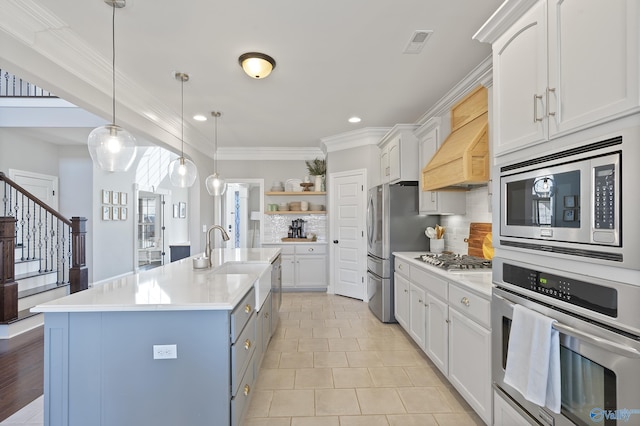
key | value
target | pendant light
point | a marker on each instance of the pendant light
(182, 171)
(215, 184)
(111, 147)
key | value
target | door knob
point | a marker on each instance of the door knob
(335, 241)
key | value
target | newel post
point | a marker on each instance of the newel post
(8, 285)
(78, 273)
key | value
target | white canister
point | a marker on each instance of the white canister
(304, 206)
(436, 245)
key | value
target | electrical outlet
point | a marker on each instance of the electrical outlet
(204, 228)
(165, 351)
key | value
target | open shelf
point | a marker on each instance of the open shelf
(297, 193)
(297, 212)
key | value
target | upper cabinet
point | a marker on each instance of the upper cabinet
(434, 202)
(398, 152)
(562, 66)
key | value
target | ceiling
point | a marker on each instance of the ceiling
(335, 59)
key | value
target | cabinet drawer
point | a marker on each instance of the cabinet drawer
(241, 314)
(472, 305)
(401, 267)
(240, 401)
(311, 249)
(241, 353)
(432, 283)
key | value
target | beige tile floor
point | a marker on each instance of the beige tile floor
(332, 363)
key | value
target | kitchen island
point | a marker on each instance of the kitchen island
(167, 346)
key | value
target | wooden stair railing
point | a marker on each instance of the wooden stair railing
(42, 234)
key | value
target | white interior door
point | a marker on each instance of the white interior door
(347, 209)
(44, 187)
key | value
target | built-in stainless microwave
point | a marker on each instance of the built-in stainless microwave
(571, 202)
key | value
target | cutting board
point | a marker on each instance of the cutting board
(477, 232)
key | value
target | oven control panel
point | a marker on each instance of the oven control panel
(579, 293)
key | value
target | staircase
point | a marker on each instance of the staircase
(42, 257)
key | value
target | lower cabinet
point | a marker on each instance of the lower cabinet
(437, 333)
(506, 415)
(417, 301)
(469, 358)
(304, 266)
(452, 325)
(401, 299)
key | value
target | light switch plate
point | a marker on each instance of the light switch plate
(165, 351)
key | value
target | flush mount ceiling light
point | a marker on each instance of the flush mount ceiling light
(257, 65)
(214, 183)
(111, 147)
(354, 120)
(182, 171)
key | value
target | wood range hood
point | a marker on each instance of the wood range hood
(463, 159)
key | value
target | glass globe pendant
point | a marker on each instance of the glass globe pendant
(182, 171)
(111, 147)
(214, 183)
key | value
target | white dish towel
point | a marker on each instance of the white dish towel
(533, 358)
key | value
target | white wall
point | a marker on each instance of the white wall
(362, 157)
(24, 153)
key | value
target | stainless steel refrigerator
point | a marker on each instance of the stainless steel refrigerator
(393, 224)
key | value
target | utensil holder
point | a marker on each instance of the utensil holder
(436, 245)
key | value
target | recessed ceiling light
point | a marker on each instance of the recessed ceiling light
(355, 120)
(200, 117)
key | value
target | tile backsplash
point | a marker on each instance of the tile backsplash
(276, 226)
(457, 226)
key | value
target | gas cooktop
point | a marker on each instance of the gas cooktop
(455, 262)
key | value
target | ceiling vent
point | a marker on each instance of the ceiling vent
(417, 41)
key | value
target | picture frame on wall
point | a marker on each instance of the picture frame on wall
(106, 197)
(123, 198)
(124, 213)
(116, 213)
(175, 210)
(182, 210)
(106, 213)
(115, 198)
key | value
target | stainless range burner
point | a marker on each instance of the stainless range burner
(455, 262)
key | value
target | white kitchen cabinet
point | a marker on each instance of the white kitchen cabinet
(417, 314)
(437, 335)
(505, 415)
(398, 153)
(436, 202)
(401, 302)
(563, 66)
(469, 358)
(304, 266)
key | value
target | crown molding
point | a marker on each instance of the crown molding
(354, 139)
(479, 75)
(502, 19)
(269, 153)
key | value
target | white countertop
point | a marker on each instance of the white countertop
(480, 281)
(174, 286)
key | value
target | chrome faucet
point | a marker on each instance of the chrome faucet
(209, 247)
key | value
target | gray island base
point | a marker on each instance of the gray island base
(156, 349)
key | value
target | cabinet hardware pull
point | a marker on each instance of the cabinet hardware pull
(247, 344)
(266, 315)
(549, 113)
(310, 249)
(247, 389)
(247, 308)
(419, 300)
(465, 301)
(406, 291)
(535, 108)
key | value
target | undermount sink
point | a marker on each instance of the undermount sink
(240, 268)
(262, 272)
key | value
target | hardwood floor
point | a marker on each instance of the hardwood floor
(21, 370)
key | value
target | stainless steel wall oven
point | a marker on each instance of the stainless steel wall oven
(599, 329)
